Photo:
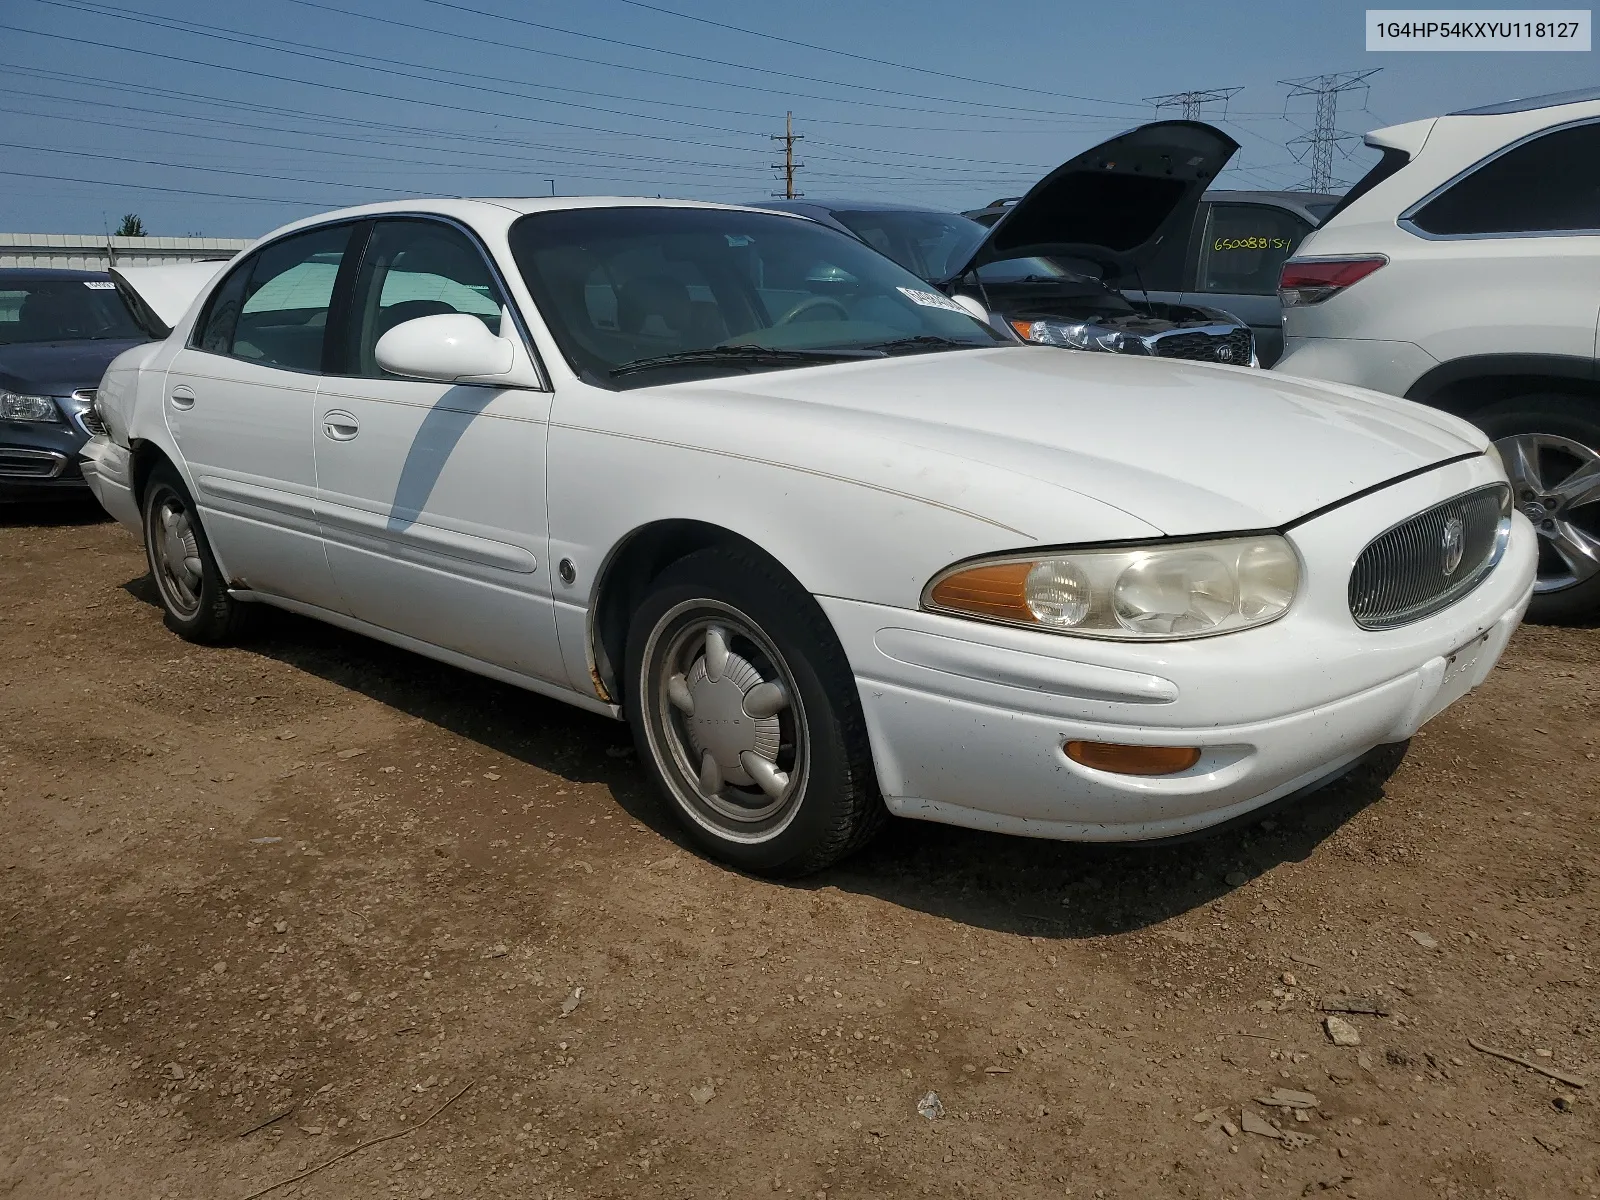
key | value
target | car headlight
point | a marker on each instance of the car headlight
(1148, 593)
(15, 407)
(1077, 335)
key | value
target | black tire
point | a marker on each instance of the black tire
(205, 613)
(1576, 422)
(775, 632)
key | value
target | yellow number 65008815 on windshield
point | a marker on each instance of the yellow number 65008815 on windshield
(1251, 243)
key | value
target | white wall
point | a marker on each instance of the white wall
(88, 252)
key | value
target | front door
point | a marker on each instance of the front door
(1242, 249)
(239, 401)
(431, 496)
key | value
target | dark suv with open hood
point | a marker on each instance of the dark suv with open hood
(59, 330)
(1064, 265)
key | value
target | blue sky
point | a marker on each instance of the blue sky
(238, 118)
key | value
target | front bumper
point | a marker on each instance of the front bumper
(39, 460)
(967, 721)
(108, 470)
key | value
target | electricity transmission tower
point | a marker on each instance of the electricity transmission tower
(788, 166)
(1192, 102)
(1324, 138)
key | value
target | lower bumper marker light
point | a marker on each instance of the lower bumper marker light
(1133, 760)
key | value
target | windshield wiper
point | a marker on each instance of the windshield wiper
(742, 356)
(920, 343)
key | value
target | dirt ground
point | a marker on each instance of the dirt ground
(315, 879)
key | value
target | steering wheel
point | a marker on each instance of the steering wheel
(809, 303)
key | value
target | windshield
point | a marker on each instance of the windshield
(64, 310)
(934, 245)
(639, 295)
(937, 245)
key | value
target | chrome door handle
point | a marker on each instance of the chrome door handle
(340, 425)
(183, 396)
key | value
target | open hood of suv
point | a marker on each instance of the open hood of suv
(1113, 204)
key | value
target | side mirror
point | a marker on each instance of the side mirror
(444, 348)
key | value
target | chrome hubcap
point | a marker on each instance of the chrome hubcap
(175, 554)
(726, 724)
(1555, 481)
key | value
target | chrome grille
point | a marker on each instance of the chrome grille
(16, 463)
(1431, 560)
(87, 417)
(1234, 347)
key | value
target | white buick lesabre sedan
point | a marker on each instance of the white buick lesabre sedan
(829, 543)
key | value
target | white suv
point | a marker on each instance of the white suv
(1464, 272)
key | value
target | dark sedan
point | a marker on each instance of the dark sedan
(59, 330)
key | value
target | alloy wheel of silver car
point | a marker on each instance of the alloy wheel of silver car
(1555, 481)
(175, 555)
(729, 728)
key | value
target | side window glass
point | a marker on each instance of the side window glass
(1546, 185)
(213, 332)
(417, 269)
(1243, 247)
(284, 310)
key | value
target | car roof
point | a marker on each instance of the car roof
(1286, 197)
(1529, 103)
(833, 206)
(491, 211)
(44, 274)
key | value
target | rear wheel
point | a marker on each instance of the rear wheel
(193, 592)
(746, 712)
(1551, 449)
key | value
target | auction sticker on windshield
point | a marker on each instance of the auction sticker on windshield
(1478, 29)
(931, 300)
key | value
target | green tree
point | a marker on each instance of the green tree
(131, 226)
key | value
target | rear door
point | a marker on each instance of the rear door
(239, 402)
(431, 496)
(1240, 250)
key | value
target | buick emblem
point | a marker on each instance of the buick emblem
(1224, 353)
(1453, 544)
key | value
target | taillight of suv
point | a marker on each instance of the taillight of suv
(1312, 280)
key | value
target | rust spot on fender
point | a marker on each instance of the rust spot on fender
(600, 688)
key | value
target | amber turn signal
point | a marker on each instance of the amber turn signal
(1133, 760)
(992, 590)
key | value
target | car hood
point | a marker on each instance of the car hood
(167, 289)
(1113, 204)
(57, 368)
(1186, 449)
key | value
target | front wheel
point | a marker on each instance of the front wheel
(1551, 449)
(745, 711)
(193, 592)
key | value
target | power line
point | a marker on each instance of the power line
(882, 62)
(338, 57)
(788, 166)
(1046, 115)
(1191, 102)
(1325, 137)
(449, 4)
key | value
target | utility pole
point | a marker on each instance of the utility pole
(788, 166)
(1324, 138)
(1192, 102)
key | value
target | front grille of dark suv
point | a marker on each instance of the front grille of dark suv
(88, 418)
(1234, 347)
(1429, 561)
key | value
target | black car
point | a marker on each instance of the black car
(1067, 264)
(1233, 250)
(59, 330)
